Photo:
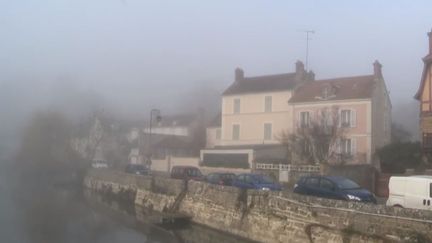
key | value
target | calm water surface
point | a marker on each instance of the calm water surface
(64, 215)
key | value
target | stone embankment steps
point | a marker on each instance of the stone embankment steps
(269, 216)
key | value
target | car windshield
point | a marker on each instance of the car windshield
(346, 184)
(138, 167)
(227, 176)
(264, 179)
(194, 172)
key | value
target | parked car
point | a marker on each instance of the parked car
(99, 164)
(333, 187)
(186, 173)
(256, 181)
(410, 192)
(137, 169)
(221, 178)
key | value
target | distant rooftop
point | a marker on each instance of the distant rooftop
(267, 83)
(262, 84)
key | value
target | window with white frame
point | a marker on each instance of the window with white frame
(267, 131)
(236, 132)
(236, 107)
(304, 119)
(268, 104)
(347, 146)
(347, 118)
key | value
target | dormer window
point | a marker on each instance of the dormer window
(329, 91)
(326, 92)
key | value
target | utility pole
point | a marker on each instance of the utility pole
(153, 113)
(308, 32)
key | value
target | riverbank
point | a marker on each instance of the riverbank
(266, 216)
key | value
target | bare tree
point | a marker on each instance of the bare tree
(45, 147)
(316, 140)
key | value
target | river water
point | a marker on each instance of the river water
(57, 215)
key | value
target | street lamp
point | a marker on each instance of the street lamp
(154, 114)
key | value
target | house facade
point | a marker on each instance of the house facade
(257, 110)
(362, 109)
(214, 132)
(424, 95)
(181, 135)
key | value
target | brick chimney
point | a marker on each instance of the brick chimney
(377, 69)
(239, 74)
(310, 76)
(300, 71)
(430, 42)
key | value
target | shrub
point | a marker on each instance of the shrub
(397, 157)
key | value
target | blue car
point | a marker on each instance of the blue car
(333, 187)
(257, 182)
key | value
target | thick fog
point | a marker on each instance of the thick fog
(129, 56)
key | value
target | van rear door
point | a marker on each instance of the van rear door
(417, 193)
(429, 195)
(397, 190)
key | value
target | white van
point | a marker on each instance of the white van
(410, 192)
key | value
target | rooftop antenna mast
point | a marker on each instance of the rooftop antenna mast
(308, 32)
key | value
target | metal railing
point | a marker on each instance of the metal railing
(288, 167)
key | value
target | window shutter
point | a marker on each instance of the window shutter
(353, 118)
(299, 119)
(353, 146)
(339, 118)
(338, 146)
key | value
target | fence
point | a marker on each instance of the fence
(287, 172)
(288, 167)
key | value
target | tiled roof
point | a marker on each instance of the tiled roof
(358, 87)
(262, 84)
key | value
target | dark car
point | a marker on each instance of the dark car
(333, 187)
(257, 182)
(186, 173)
(220, 178)
(137, 169)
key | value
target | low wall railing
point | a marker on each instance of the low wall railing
(288, 167)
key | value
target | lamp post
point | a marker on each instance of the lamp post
(154, 114)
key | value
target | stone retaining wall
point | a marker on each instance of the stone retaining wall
(271, 216)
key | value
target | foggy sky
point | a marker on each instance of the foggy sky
(134, 55)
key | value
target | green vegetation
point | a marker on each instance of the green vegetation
(45, 151)
(396, 157)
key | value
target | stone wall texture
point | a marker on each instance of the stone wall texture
(271, 216)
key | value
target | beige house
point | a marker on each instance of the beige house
(254, 111)
(257, 110)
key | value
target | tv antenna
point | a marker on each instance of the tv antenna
(308, 32)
